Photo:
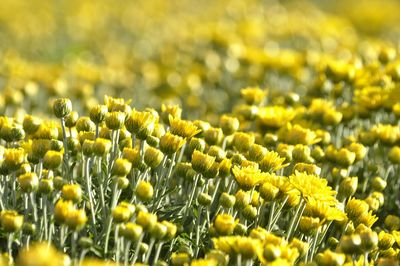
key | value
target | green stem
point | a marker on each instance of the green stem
(65, 158)
(294, 222)
(89, 192)
(158, 251)
(151, 244)
(137, 249)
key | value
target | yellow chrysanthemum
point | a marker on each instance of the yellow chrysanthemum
(248, 177)
(312, 186)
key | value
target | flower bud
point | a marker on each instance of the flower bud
(121, 167)
(158, 231)
(309, 225)
(76, 219)
(153, 141)
(144, 191)
(115, 120)
(330, 258)
(212, 172)
(270, 140)
(56, 145)
(201, 162)
(141, 124)
(242, 199)
(271, 252)
(132, 232)
(72, 192)
(225, 167)
(121, 214)
(225, 224)
(213, 136)
(52, 159)
(62, 107)
(243, 141)
(378, 184)
(87, 147)
(257, 152)
(301, 153)
(220, 257)
(122, 182)
(394, 155)
(228, 124)
(308, 168)
(170, 143)
(31, 124)
(356, 208)
(350, 244)
(348, 186)
(369, 240)
(146, 220)
(11, 221)
(171, 230)
(196, 144)
(98, 113)
(216, 152)
(71, 119)
(62, 210)
(345, 157)
(204, 199)
(249, 212)
(73, 146)
(240, 229)
(227, 201)
(85, 124)
(28, 182)
(385, 240)
(46, 186)
(153, 157)
(392, 222)
(268, 191)
(180, 259)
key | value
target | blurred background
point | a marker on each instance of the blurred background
(179, 51)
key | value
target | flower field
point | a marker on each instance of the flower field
(204, 133)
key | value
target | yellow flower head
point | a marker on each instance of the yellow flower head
(247, 177)
(274, 116)
(141, 124)
(183, 128)
(297, 135)
(272, 162)
(253, 96)
(312, 186)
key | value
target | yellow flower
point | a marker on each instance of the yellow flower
(225, 224)
(274, 116)
(324, 211)
(247, 177)
(253, 96)
(272, 162)
(183, 128)
(141, 124)
(297, 135)
(312, 186)
(204, 262)
(41, 254)
(13, 158)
